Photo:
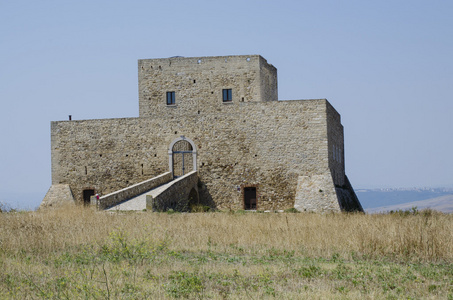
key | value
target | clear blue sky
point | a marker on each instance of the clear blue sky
(386, 66)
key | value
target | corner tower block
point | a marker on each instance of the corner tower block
(219, 116)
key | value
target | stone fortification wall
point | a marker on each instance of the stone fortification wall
(104, 155)
(335, 140)
(347, 198)
(198, 83)
(263, 144)
(133, 190)
(177, 195)
(268, 76)
(316, 193)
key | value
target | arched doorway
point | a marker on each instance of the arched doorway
(182, 156)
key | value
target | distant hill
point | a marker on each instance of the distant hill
(443, 204)
(381, 200)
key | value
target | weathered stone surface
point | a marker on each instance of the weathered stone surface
(253, 140)
(58, 195)
(316, 193)
(177, 195)
(347, 198)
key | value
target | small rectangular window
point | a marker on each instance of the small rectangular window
(170, 98)
(227, 95)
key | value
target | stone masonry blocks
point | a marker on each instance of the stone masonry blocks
(253, 140)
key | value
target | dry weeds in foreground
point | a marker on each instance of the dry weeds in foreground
(426, 236)
(80, 253)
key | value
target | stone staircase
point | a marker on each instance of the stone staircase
(138, 203)
(174, 194)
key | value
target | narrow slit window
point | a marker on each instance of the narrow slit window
(171, 99)
(227, 95)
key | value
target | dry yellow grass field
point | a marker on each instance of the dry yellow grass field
(79, 253)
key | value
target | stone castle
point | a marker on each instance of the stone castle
(220, 117)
